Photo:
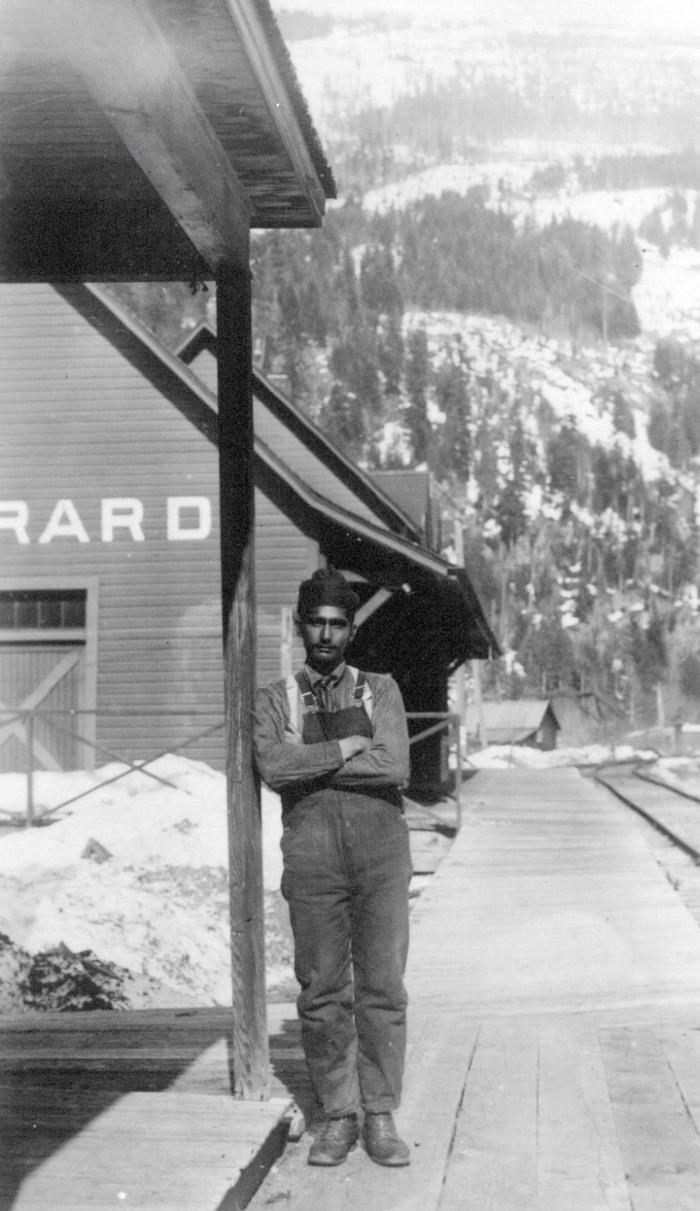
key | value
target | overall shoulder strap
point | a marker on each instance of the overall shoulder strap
(299, 685)
(362, 694)
(292, 687)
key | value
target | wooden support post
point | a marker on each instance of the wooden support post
(460, 678)
(457, 727)
(479, 705)
(234, 347)
(29, 733)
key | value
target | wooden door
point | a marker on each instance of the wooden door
(44, 678)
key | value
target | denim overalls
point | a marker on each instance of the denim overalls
(346, 872)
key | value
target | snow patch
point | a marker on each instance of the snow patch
(158, 905)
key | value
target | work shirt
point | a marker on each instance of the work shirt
(284, 760)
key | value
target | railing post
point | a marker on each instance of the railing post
(456, 723)
(29, 738)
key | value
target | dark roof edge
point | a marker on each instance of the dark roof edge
(476, 608)
(279, 49)
(389, 539)
(370, 493)
(361, 482)
(116, 311)
(414, 553)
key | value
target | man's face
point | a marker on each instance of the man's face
(326, 634)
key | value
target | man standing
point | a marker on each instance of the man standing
(333, 741)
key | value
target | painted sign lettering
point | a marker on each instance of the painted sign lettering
(186, 519)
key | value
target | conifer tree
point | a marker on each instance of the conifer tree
(417, 380)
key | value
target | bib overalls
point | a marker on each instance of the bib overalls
(347, 868)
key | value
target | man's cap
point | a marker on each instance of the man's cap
(326, 587)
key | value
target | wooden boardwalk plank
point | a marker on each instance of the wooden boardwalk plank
(568, 911)
(440, 1056)
(536, 1131)
(658, 1138)
(578, 1161)
(170, 1151)
(554, 1046)
(682, 1051)
(492, 1166)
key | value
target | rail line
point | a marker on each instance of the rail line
(671, 810)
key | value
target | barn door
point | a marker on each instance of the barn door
(44, 679)
(42, 669)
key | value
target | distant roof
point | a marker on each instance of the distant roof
(511, 721)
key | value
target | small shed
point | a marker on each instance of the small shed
(525, 721)
(584, 718)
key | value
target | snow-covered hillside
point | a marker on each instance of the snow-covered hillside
(567, 379)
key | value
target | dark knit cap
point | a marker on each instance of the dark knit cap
(326, 588)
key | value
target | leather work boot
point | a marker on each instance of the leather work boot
(382, 1142)
(335, 1139)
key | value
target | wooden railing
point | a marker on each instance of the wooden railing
(445, 721)
(27, 719)
(438, 721)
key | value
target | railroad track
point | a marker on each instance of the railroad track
(671, 810)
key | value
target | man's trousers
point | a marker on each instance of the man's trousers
(347, 868)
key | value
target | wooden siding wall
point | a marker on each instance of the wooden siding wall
(80, 423)
(283, 557)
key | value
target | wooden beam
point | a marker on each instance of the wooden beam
(371, 606)
(109, 241)
(234, 344)
(133, 75)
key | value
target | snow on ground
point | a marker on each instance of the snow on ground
(565, 378)
(609, 209)
(456, 178)
(667, 296)
(514, 756)
(682, 773)
(158, 905)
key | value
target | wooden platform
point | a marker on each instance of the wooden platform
(554, 1058)
(554, 1048)
(129, 1110)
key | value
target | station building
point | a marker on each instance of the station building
(110, 593)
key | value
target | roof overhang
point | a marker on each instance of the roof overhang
(386, 560)
(144, 138)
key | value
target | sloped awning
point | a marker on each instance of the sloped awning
(445, 612)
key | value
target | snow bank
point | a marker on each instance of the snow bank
(136, 871)
(509, 756)
(681, 773)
